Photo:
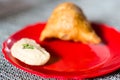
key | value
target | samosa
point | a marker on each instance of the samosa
(68, 22)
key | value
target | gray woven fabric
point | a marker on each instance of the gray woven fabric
(105, 11)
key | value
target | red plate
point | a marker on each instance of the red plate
(70, 59)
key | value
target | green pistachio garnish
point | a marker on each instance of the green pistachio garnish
(27, 46)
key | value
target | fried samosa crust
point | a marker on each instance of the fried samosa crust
(68, 22)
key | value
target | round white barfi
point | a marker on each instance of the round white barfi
(29, 52)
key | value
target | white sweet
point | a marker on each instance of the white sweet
(29, 52)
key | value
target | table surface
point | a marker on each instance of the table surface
(103, 11)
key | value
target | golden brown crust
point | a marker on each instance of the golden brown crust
(68, 22)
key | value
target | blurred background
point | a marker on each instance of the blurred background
(15, 14)
(23, 12)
